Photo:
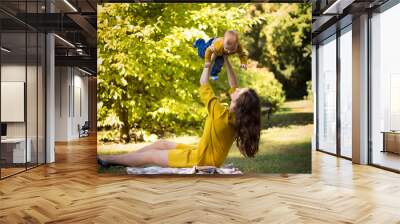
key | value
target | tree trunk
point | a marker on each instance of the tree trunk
(124, 116)
(125, 128)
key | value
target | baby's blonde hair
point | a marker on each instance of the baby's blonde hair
(231, 38)
(233, 33)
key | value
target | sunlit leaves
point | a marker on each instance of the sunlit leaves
(148, 71)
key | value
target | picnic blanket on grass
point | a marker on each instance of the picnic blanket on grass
(228, 169)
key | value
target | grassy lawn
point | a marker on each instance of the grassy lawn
(285, 145)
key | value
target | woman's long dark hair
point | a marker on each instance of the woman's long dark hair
(248, 123)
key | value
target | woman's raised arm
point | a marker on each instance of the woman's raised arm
(205, 76)
(231, 74)
(206, 71)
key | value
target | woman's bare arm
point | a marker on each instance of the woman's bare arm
(231, 74)
(206, 71)
(205, 75)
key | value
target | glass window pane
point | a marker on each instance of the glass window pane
(23, 87)
(385, 84)
(13, 86)
(346, 92)
(327, 95)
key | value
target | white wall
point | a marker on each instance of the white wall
(14, 72)
(71, 87)
(80, 109)
(62, 81)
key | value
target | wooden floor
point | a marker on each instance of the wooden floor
(10, 171)
(70, 191)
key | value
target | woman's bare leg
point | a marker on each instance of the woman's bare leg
(148, 156)
(156, 153)
(159, 145)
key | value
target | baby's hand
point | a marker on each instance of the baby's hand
(243, 66)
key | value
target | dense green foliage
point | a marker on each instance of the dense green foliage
(148, 71)
(282, 42)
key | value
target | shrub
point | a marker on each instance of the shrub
(264, 82)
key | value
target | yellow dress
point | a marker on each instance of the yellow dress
(217, 138)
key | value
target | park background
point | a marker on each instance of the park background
(148, 77)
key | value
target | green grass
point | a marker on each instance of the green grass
(285, 144)
(282, 150)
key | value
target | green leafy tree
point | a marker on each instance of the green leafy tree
(147, 70)
(282, 42)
